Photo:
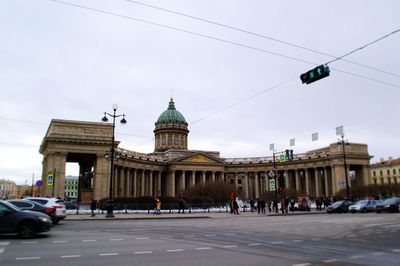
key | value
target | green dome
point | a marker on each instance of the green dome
(171, 114)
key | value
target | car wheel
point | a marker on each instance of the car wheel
(27, 229)
(364, 210)
(378, 211)
(56, 221)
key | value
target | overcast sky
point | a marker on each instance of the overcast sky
(239, 92)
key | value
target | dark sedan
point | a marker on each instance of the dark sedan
(340, 206)
(25, 223)
(29, 205)
(389, 205)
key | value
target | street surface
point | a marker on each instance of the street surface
(247, 239)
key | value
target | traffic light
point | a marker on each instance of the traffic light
(315, 74)
(289, 155)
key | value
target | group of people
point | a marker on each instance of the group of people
(273, 206)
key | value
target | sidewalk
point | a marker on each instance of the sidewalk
(83, 216)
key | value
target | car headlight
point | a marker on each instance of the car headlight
(44, 219)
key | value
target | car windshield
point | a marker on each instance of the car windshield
(362, 202)
(337, 203)
(12, 206)
(391, 201)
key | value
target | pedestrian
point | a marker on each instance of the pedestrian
(286, 205)
(292, 202)
(158, 206)
(93, 206)
(181, 204)
(235, 207)
(275, 205)
(263, 205)
(269, 206)
(258, 205)
(252, 205)
(283, 206)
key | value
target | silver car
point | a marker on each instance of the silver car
(363, 206)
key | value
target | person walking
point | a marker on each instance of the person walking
(181, 204)
(235, 207)
(93, 206)
(263, 205)
(158, 206)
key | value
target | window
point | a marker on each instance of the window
(374, 173)
(388, 172)
(375, 181)
(176, 140)
(394, 171)
(163, 140)
(239, 181)
(169, 140)
(381, 172)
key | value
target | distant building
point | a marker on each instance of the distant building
(71, 187)
(8, 189)
(386, 171)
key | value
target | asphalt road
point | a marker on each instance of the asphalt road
(336, 239)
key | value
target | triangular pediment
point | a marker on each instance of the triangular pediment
(199, 158)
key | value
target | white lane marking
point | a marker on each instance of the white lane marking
(210, 235)
(142, 238)
(4, 243)
(230, 234)
(396, 250)
(108, 254)
(1, 250)
(378, 253)
(89, 240)
(30, 242)
(166, 237)
(117, 239)
(277, 242)
(60, 241)
(204, 248)
(189, 236)
(332, 260)
(297, 240)
(255, 244)
(143, 252)
(174, 250)
(302, 264)
(356, 257)
(229, 246)
(70, 256)
(28, 258)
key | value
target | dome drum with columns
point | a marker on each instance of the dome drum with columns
(172, 168)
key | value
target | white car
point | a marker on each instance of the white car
(55, 203)
(363, 206)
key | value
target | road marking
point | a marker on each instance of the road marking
(174, 250)
(108, 254)
(4, 243)
(277, 242)
(89, 240)
(30, 242)
(302, 264)
(396, 250)
(230, 234)
(356, 257)
(70, 256)
(165, 237)
(60, 241)
(117, 239)
(143, 252)
(210, 235)
(378, 253)
(229, 246)
(142, 238)
(332, 260)
(204, 248)
(28, 258)
(297, 240)
(189, 236)
(255, 244)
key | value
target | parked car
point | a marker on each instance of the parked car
(389, 205)
(339, 206)
(26, 223)
(35, 206)
(363, 206)
(55, 203)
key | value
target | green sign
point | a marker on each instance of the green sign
(272, 185)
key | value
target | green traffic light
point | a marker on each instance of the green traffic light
(319, 71)
(311, 74)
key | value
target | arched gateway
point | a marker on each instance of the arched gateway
(172, 168)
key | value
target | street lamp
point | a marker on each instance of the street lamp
(274, 175)
(110, 203)
(344, 142)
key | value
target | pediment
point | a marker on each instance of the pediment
(199, 158)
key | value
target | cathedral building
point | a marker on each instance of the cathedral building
(172, 167)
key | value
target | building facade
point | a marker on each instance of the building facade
(8, 189)
(385, 171)
(71, 187)
(172, 168)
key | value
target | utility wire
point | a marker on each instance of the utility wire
(271, 38)
(213, 38)
(362, 47)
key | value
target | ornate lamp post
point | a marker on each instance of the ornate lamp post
(110, 203)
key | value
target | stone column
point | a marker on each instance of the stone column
(246, 185)
(236, 180)
(182, 181)
(101, 177)
(366, 175)
(317, 182)
(172, 184)
(213, 176)
(134, 181)
(286, 173)
(307, 178)
(297, 179)
(151, 184)
(193, 178)
(142, 184)
(203, 177)
(326, 181)
(158, 183)
(256, 184)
